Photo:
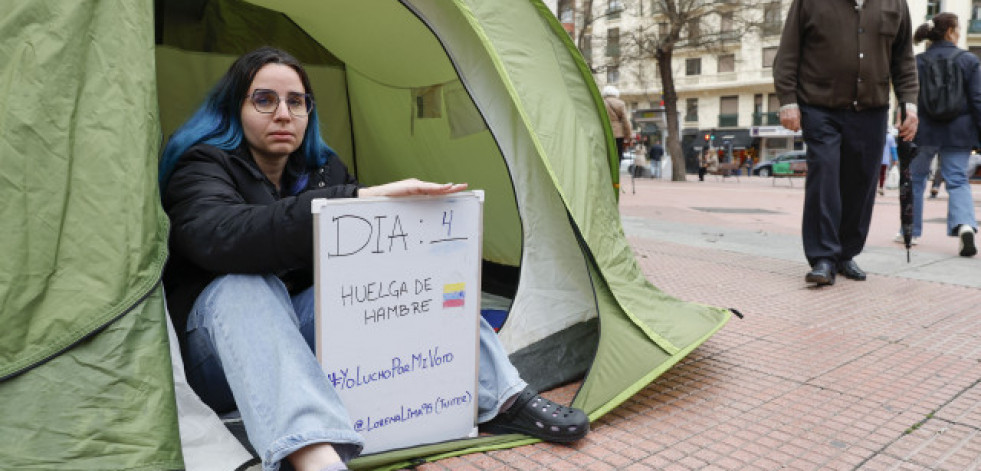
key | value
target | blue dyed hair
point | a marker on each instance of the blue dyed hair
(218, 122)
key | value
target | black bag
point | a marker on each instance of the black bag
(942, 94)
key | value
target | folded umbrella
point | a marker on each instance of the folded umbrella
(906, 150)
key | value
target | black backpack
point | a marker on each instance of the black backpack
(941, 87)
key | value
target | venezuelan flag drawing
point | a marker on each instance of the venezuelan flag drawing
(453, 294)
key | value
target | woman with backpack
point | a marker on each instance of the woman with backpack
(950, 117)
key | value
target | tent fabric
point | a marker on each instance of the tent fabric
(107, 403)
(85, 377)
(205, 441)
(491, 93)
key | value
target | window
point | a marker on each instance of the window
(772, 22)
(769, 53)
(773, 103)
(729, 111)
(727, 63)
(933, 7)
(777, 142)
(612, 74)
(694, 30)
(613, 42)
(726, 32)
(662, 29)
(758, 116)
(613, 8)
(729, 104)
(587, 48)
(566, 11)
(693, 66)
(691, 109)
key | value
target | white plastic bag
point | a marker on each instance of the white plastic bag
(892, 177)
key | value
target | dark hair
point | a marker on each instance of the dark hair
(218, 121)
(942, 22)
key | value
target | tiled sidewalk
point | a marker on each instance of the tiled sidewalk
(878, 375)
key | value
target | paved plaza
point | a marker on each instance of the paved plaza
(876, 375)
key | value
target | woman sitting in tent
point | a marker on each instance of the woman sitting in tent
(237, 181)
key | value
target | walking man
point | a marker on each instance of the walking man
(832, 73)
(656, 152)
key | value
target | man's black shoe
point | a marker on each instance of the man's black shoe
(851, 271)
(822, 273)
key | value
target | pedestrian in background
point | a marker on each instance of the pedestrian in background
(938, 179)
(655, 154)
(619, 120)
(950, 140)
(828, 74)
(889, 158)
(708, 161)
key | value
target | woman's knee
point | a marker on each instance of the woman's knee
(954, 176)
(245, 296)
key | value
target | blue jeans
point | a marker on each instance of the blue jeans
(251, 346)
(953, 167)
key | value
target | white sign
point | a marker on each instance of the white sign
(398, 305)
(772, 131)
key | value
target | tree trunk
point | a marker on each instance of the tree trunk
(671, 113)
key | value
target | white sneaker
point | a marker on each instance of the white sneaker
(966, 235)
(899, 239)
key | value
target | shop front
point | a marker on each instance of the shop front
(775, 140)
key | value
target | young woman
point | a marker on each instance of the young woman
(952, 140)
(237, 180)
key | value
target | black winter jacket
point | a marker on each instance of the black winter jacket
(227, 217)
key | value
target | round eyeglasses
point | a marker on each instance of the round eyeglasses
(267, 101)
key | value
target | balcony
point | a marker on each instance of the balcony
(974, 27)
(772, 28)
(720, 79)
(728, 120)
(766, 119)
(730, 36)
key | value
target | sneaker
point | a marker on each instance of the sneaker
(881, 192)
(966, 235)
(899, 239)
(933, 192)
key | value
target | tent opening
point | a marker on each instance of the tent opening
(389, 112)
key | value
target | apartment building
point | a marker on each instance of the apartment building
(724, 84)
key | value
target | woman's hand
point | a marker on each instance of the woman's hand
(410, 187)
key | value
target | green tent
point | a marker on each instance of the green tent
(491, 93)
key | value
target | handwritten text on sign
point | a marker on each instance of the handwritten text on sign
(398, 295)
(381, 235)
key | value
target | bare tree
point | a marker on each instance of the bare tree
(670, 25)
(588, 12)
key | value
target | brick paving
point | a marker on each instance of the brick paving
(877, 375)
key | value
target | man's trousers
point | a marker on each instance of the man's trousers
(844, 151)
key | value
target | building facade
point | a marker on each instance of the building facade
(721, 65)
